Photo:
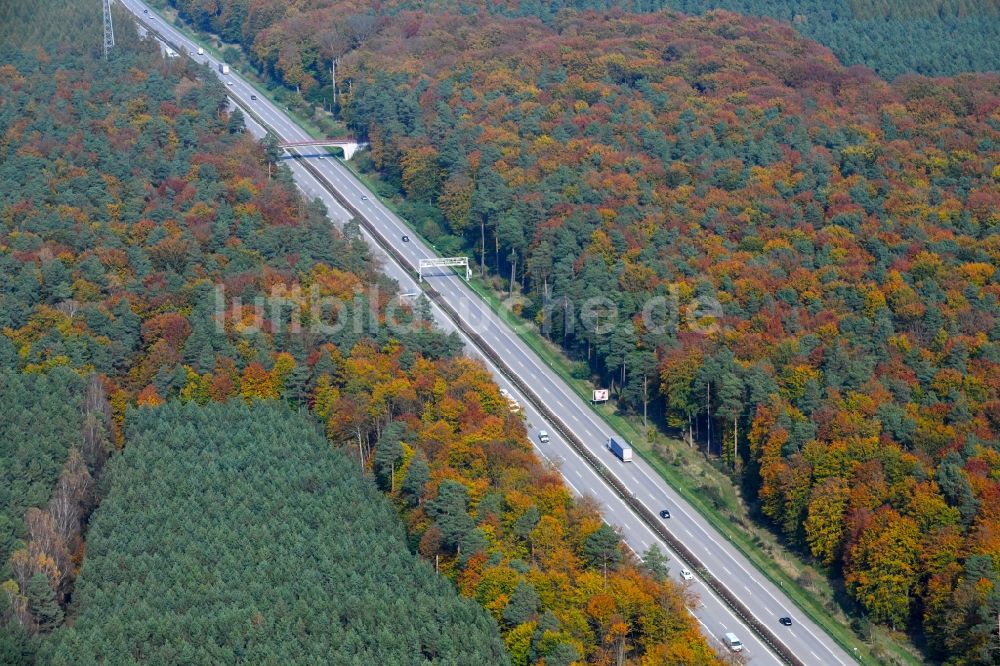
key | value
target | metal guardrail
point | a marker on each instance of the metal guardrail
(612, 480)
(763, 632)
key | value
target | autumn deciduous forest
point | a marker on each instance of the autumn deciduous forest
(184, 462)
(846, 224)
(893, 37)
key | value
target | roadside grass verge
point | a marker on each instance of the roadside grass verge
(707, 487)
(278, 94)
(697, 480)
(702, 484)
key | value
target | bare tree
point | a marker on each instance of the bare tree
(361, 27)
(96, 425)
(69, 499)
(45, 545)
(69, 307)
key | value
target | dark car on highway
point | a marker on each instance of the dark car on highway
(664, 514)
(787, 621)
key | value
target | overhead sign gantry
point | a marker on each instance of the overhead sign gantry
(445, 262)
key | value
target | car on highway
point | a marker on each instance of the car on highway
(732, 642)
(786, 621)
(229, 83)
(665, 513)
(253, 97)
(543, 436)
(406, 239)
(594, 435)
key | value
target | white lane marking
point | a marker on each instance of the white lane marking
(630, 521)
(735, 561)
(698, 618)
(296, 132)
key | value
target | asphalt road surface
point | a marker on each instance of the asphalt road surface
(764, 599)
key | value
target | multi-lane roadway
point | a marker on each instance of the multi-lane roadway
(764, 599)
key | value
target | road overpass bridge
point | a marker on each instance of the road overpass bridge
(347, 144)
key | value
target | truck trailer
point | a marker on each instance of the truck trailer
(620, 448)
(223, 68)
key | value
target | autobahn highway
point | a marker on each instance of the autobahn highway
(728, 566)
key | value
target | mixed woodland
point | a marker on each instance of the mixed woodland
(893, 37)
(846, 225)
(193, 454)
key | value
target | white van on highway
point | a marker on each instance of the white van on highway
(732, 642)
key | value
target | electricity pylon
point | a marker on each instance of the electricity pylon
(109, 29)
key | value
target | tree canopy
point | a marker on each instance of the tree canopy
(893, 37)
(231, 532)
(218, 318)
(844, 225)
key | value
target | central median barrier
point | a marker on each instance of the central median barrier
(742, 611)
(736, 605)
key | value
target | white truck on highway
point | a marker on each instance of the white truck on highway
(620, 448)
(223, 68)
(732, 642)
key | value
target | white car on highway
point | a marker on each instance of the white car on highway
(687, 575)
